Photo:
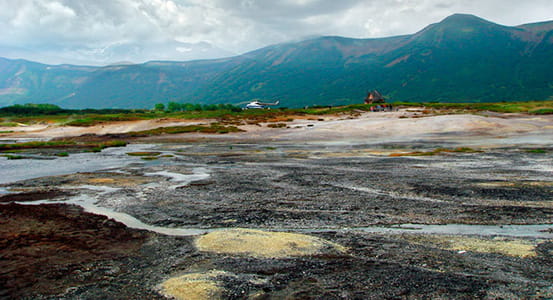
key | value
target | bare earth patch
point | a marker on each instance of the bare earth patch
(265, 244)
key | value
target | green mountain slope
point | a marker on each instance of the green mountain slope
(462, 58)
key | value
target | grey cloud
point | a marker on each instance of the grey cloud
(284, 9)
(102, 31)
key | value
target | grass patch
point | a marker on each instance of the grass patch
(532, 107)
(62, 154)
(92, 120)
(37, 145)
(9, 124)
(542, 111)
(213, 128)
(12, 151)
(96, 147)
(6, 131)
(10, 156)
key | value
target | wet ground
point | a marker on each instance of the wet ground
(328, 191)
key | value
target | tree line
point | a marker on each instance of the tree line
(32, 109)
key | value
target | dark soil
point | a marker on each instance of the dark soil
(60, 252)
(34, 196)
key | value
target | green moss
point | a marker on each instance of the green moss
(466, 150)
(143, 153)
(62, 154)
(12, 151)
(9, 156)
(537, 151)
(9, 124)
(149, 158)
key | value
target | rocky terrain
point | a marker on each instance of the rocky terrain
(283, 218)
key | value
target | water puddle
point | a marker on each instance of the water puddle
(16, 170)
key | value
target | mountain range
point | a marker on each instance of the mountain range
(461, 59)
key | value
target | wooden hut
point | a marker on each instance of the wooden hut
(374, 97)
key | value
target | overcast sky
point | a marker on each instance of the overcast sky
(106, 31)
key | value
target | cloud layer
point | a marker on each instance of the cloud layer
(107, 31)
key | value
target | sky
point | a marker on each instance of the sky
(101, 32)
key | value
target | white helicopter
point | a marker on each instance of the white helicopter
(256, 104)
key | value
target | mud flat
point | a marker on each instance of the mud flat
(231, 218)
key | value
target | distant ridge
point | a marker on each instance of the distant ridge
(462, 58)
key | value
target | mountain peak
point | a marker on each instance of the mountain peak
(464, 19)
(458, 25)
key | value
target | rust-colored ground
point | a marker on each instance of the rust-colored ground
(44, 247)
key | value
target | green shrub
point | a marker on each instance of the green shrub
(542, 111)
(537, 151)
(9, 156)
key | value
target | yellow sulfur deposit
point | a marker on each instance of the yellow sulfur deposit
(265, 244)
(196, 286)
(509, 247)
